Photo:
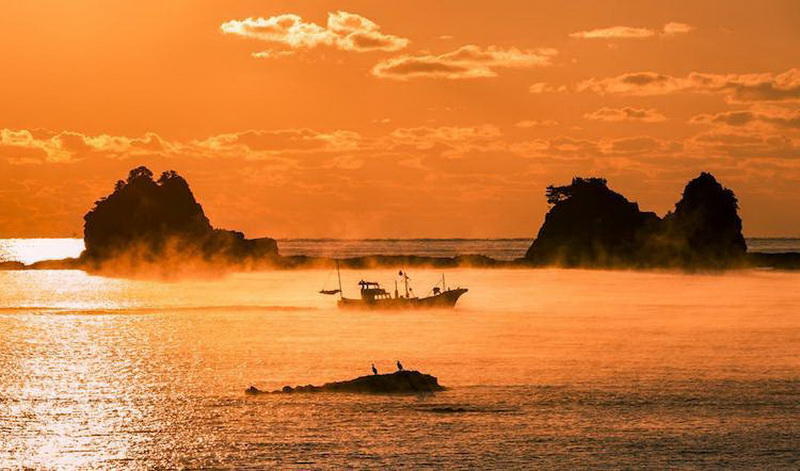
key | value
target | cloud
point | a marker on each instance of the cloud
(356, 33)
(288, 32)
(22, 146)
(282, 141)
(772, 117)
(543, 87)
(614, 32)
(764, 87)
(466, 62)
(570, 148)
(674, 28)
(536, 123)
(637, 145)
(446, 133)
(559, 147)
(763, 131)
(630, 32)
(444, 141)
(284, 147)
(626, 114)
(736, 87)
(636, 83)
(743, 143)
(271, 54)
(39, 146)
(729, 118)
(280, 146)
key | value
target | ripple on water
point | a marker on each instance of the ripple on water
(576, 370)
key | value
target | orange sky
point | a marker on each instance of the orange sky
(396, 119)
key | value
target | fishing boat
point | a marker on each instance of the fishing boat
(373, 296)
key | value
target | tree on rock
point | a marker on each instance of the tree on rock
(589, 224)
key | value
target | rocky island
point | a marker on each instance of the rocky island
(147, 224)
(150, 226)
(400, 382)
(590, 225)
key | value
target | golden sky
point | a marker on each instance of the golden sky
(396, 118)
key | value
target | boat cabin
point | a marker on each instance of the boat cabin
(370, 291)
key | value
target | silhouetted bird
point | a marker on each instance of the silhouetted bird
(399, 366)
(374, 370)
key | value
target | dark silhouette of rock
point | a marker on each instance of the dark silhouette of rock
(151, 221)
(590, 225)
(62, 264)
(12, 265)
(705, 228)
(397, 382)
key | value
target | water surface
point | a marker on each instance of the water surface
(546, 368)
(34, 250)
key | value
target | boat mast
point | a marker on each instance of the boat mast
(443, 285)
(405, 279)
(339, 275)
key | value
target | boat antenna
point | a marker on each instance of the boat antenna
(339, 275)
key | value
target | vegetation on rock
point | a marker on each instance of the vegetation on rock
(590, 225)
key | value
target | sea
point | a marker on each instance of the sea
(544, 368)
(34, 250)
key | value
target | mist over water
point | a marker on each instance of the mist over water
(34, 250)
(546, 368)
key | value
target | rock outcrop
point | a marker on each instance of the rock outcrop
(590, 225)
(705, 228)
(150, 221)
(404, 382)
(12, 265)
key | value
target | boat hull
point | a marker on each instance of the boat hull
(445, 299)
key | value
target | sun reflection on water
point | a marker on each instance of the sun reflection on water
(29, 251)
(72, 396)
(63, 289)
(543, 365)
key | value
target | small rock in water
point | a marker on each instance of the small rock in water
(398, 382)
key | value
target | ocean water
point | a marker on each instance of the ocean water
(33, 250)
(546, 369)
